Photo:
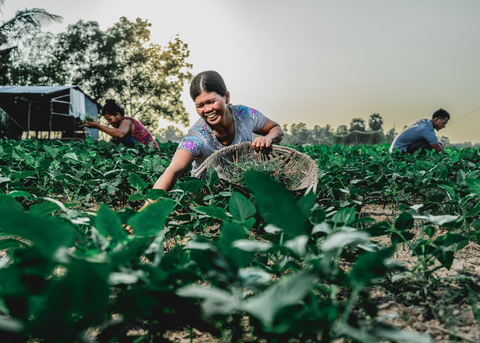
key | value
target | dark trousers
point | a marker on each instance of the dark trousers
(421, 145)
(127, 141)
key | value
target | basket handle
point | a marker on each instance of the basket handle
(312, 187)
(199, 172)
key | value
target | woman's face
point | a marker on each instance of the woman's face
(212, 107)
(115, 120)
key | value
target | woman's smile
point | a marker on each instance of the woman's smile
(212, 116)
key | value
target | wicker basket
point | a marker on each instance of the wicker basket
(293, 162)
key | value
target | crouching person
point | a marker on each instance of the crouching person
(421, 135)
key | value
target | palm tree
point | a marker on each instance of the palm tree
(36, 17)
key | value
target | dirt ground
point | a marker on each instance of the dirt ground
(446, 313)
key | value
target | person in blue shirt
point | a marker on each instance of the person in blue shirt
(421, 135)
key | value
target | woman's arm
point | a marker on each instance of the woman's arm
(271, 132)
(121, 132)
(181, 161)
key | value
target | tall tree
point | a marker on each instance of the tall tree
(390, 135)
(86, 56)
(32, 63)
(321, 135)
(375, 122)
(342, 130)
(35, 17)
(300, 133)
(23, 21)
(153, 77)
(357, 124)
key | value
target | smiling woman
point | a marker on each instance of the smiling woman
(221, 124)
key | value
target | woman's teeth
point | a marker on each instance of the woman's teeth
(212, 116)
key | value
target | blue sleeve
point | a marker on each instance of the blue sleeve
(430, 136)
(192, 144)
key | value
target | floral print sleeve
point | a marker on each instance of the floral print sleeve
(254, 118)
(191, 144)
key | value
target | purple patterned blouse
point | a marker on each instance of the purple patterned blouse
(201, 141)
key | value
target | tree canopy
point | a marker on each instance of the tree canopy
(299, 134)
(357, 124)
(342, 130)
(390, 135)
(375, 122)
(23, 21)
(35, 17)
(121, 63)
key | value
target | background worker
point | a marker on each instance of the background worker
(421, 135)
(125, 130)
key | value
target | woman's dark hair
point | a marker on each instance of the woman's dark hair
(207, 81)
(111, 107)
(442, 114)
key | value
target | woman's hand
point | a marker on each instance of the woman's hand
(148, 202)
(261, 143)
(129, 229)
(271, 132)
(93, 124)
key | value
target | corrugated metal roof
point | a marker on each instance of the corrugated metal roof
(33, 89)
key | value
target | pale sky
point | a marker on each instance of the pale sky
(318, 61)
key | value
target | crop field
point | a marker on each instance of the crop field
(386, 250)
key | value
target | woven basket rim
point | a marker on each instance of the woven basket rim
(309, 168)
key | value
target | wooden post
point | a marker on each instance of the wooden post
(28, 124)
(50, 121)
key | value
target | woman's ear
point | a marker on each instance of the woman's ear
(227, 97)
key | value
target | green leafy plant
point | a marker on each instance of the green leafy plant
(258, 261)
(88, 118)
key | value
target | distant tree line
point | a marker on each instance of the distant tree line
(464, 144)
(357, 133)
(145, 78)
(299, 134)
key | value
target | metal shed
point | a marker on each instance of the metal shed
(47, 112)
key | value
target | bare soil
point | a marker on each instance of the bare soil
(445, 312)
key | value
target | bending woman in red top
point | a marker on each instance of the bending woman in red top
(126, 130)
